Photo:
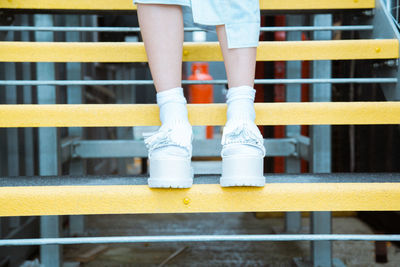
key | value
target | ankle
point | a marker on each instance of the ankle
(172, 105)
(240, 102)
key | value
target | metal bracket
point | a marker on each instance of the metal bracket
(295, 143)
(301, 146)
(74, 145)
(68, 148)
(369, 12)
(384, 28)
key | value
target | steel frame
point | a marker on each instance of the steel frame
(294, 146)
(85, 149)
(197, 238)
(48, 140)
(75, 94)
(188, 82)
(320, 160)
(189, 29)
(293, 94)
(384, 27)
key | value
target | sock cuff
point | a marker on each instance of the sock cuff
(174, 95)
(240, 92)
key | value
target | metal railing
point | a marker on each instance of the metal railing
(195, 238)
(189, 29)
(189, 82)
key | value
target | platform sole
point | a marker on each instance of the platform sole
(170, 173)
(241, 170)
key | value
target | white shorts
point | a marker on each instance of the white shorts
(240, 17)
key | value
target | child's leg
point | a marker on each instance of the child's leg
(240, 63)
(162, 32)
(243, 150)
(170, 148)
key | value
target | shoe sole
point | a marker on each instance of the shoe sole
(243, 181)
(170, 173)
(242, 171)
(163, 183)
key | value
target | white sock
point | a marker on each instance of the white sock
(172, 105)
(173, 110)
(240, 102)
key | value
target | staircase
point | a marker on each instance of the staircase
(48, 193)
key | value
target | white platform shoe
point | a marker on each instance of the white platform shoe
(242, 154)
(170, 152)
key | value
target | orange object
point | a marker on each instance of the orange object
(305, 97)
(279, 91)
(201, 93)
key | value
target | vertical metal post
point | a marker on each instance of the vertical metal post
(130, 96)
(120, 99)
(132, 76)
(27, 99)
(12, 142)
(75, 96)
(12, 133)
(3, 149)
(320, 162)
(293, 94)
(50, 255)
(123, 96)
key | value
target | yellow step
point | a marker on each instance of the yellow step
(124, 199)
(127, 4)
(99, 115)
(210, 51)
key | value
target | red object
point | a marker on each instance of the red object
(305, 97)
(201, 93)
(279, 92)
(260, 73)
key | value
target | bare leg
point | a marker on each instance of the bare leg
(162, 31)
(240, 63)
(243, 153)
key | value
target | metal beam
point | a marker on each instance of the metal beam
(309, 178)
(27, 74)
(196, 238)
(75, 96)
(134, 148)
(384, 27)
(293, 94)
(320, 156)
(208, 51)
(130, 195)
(123, 96)
(50, 255)
(114, 5)
(11, 134)
(110, 115)
(187, 82)
(137, 29)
